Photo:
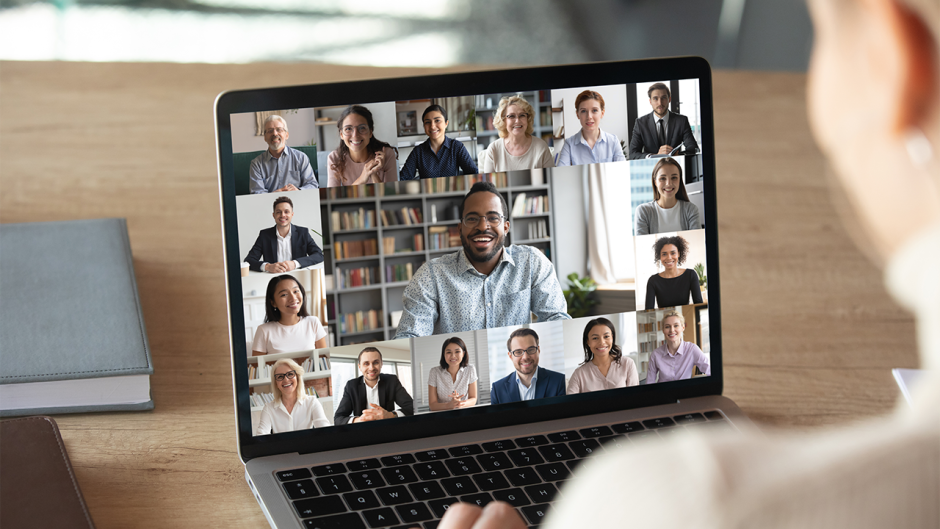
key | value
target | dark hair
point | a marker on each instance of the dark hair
(681, 244)
(375, 145)
(586, 96)
(459, 343)
(521, 332)
(488, 187)
(615, 351)
(368, 350)
(271, 312)
(435, 108)
(282, 200)
(658, 86)
(681, 194)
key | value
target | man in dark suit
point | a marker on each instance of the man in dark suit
(284, 247)
(528, 381)
(371, 396)
(661, 131)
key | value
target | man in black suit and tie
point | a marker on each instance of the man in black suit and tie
(661, 131)
(284, 247)
(371, 396)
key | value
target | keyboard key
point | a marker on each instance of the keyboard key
(399, 475)
(614, 441)
(498, 446)
(363, 464)
(689, 418)
(431, 525)
(524, 457)
(340, 521)
(466, 450)
(329, 470)
(480, 499)
(290, 475)
(463, 466)
(367, 479)
(514, 497)
(628, 427)
(439, 507)
(561, 437)
(536, 513)
(714, 415)
(429, 490)
(533, 440)
(660, 422)
(523, 476)
(553, 471)
(334, 484)
(394, 495)
(490, 481)
(383, 517)
(432, 455)
(301, 489)
(597, 431)
(432, 470)
(319, 506)
(644, 434)
(496, 461)
(541, 493)
(400, 459)
(358, 501)
(457, 486)
(413, 512)
(585, 447)
(557, 452)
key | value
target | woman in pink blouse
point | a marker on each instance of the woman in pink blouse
(604, 365)
(361, 158)
(453, 384)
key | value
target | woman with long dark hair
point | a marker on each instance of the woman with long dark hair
(604, 365)
(287, 327)
(439, 155)
(670, 209)
(453, 384)
(361, 158)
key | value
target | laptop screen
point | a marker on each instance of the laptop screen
(422, 258)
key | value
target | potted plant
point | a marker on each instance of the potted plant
(579, 295)
(702, 280)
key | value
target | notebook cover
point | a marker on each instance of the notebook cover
(37, 485)
(70, 307)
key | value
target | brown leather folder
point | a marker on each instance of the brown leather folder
(37, 485)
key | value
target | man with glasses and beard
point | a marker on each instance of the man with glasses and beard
(528, 381)
(279, 168)
(486, 284)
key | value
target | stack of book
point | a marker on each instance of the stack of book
(359, 321)
(358, 277)
(353, 220)
(401, 217)
(440, 237)
(399, 272)
(351, 249)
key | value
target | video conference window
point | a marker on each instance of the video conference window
(449, 264)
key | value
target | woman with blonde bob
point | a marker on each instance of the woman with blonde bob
(516, 148)
(292, 409)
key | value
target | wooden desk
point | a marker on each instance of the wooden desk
(809, 334)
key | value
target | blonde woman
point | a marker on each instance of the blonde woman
(292, 409)
(516, 147)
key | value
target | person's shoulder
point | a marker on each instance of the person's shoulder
(333, 157)
(551, 375)
(353, 382)
(505, 380)
(259, 158)
(389, 377)
(646, 207)
(678, 116)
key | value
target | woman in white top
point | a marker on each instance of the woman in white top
(292, 409)
(604, 365)
(516, 148)
(453, 384)
(670, 209)
(288, 327)
(361, 158)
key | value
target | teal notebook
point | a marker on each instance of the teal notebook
(72, 335)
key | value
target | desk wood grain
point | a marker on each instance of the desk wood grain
(809, 333)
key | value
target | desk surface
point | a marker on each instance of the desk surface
(809, 338)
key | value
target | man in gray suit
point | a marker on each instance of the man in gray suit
(661, 131)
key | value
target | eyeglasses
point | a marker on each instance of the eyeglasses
(520, 116)
(348, 130)
(289, 375)
(279, 130)
(531, 351)
(473, 220)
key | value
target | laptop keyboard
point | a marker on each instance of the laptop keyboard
(415, 489)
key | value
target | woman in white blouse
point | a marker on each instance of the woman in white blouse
(604, 365)
(453, 384)
(288, 327)
(292, 409)
(516, 148)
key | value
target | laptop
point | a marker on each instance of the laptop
(459, 287)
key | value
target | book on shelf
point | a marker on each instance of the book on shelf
(497, 179)
(360, 191)
(351, 249)
(360, 321)
(441, 237)
(401, 217)
(388, 245)
(357, 277)
(443, 185)
(518, 205)
(321, 387)
(399, 272)
(538, 229)
(353, 220)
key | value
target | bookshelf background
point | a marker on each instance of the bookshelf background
(364, 292)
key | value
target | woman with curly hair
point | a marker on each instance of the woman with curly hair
(516, 148)
(361, 158)
(673, 285)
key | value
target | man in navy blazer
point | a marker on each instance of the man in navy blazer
(284, 247)
(374, 395)
(648, 140)
(528, 381)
